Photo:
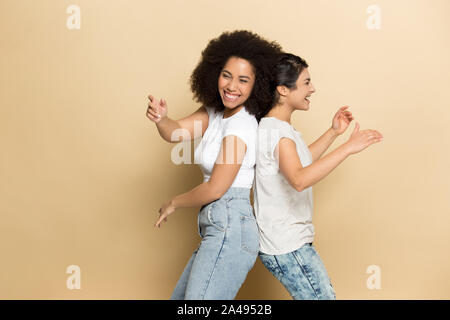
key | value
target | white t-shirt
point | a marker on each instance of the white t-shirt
(284, 215)
(241, 124)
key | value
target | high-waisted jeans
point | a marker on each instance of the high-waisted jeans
(227, 251)
(301, 272)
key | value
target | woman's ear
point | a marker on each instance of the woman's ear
(282, 90)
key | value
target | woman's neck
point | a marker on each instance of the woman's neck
(281, 112)
(230, 112)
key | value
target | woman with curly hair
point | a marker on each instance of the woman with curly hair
(234, 83)
(286, 170)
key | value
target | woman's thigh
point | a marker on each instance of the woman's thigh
(180, 288)
(226, 254)
(302, 273)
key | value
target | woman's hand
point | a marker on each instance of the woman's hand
(166, 209)
(359, 140)
(341, 120)
(157, 110)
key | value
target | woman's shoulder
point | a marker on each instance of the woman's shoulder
(248, 118)
(242, 119)
(213, 115)
(212, 111)
(268, 123)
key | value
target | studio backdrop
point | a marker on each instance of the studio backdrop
(83, 171)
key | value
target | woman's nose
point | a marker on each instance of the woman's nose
(231, 85)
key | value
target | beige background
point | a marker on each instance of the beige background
(83, 172)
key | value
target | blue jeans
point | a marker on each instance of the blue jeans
(227, 251)
(301, 272)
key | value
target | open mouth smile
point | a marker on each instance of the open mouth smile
(230, 97)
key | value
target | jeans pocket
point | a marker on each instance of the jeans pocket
(218, 215)
(249, 234)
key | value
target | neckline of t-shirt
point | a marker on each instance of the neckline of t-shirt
(290, 125)
(233, 114)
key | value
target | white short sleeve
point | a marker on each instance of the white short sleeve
(211, 114)
(240, 128)
(282, 132)
(242, 125)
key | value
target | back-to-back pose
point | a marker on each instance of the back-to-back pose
(286, 170)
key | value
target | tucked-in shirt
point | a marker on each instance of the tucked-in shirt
(284, 215)
(241, 124)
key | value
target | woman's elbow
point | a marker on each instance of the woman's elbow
(299, 182)
(298, 186)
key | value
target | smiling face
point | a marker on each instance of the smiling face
(236, 81)
(299, 98)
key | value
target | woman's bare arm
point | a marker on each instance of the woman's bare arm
(318, 147)
(224, 172)
(185, 129)
(339, 124)
(300, 177)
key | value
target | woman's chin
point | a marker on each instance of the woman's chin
(303, 107)
(230, 105)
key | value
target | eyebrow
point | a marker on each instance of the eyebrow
(239, 76)
(308, 79)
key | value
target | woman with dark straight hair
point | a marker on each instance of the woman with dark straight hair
(286, 170)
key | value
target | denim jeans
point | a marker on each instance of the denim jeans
(227, 251)
(301, 272)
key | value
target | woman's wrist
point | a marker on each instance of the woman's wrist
(162, 120)
(333, 132)
(173, 203)
(346, 149)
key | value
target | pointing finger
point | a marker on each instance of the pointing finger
(158, 223)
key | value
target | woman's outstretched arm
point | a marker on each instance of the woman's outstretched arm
(340, 122)
(224, 172)
(300, 177)
(186, 129)
(318, 147)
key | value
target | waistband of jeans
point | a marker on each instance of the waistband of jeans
(237, 193)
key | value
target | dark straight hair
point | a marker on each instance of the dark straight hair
(288, 69)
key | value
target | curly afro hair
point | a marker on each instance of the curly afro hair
(262, 55)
